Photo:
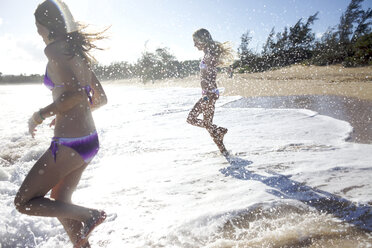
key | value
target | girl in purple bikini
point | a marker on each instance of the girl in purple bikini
(76, 92)
(215, 54)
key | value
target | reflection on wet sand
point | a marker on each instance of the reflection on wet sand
(353, 110)
(329, 231)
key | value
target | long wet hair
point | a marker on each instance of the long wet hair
(222, 51)
(57, 18)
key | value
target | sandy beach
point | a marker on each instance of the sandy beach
(342, 93)
(293, 80)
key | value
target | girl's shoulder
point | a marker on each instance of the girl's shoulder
(210, 58)
(57, 50)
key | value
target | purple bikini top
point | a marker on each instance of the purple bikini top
(50, 85)
(48, 82)
(202, 65)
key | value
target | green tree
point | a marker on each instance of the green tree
(244, 50)
(363, 24)
(354, 23)
(362, 52)
(146, 66)
(301, 40)
(246, 55)
(326, 49)
(267, 47)
(293, 45)
(345, 27)
(166, 65)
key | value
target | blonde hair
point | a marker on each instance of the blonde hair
(223, 51)
(57, 18)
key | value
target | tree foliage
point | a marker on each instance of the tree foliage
(349, 43)
(21, 78)
(151, 66)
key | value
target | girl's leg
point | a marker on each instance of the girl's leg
(207, 108)
(63, 192)
(215, 132)
(45, 175)
(192, 118)
(208, 114)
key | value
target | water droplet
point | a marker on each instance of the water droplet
(41, 172)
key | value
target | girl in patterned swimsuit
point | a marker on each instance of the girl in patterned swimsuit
(215, 54)
(76, 93)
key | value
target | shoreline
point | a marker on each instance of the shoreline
(335, 91)
(355, 111)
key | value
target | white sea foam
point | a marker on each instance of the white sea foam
(292, 180)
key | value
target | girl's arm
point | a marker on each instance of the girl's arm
(66, 101)
(76, 95)
(69, 99)
(86, 76)
(63, 103)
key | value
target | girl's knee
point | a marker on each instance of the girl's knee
(190, 119)
(61, 196)
(211, 128)
(17, 202)
(20, 203)
(22, 199)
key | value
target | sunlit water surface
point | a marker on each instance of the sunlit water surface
(292, 181)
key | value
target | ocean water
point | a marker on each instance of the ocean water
(292, 179)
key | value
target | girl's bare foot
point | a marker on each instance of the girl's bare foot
(89, 226)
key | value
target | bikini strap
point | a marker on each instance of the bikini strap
(90, 92)
(54, 147)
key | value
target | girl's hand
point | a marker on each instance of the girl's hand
(34, 121)
(213, 96)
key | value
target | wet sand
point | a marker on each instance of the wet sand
(356, 111)
(335, 91)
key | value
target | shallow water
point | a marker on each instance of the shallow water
(293, 180)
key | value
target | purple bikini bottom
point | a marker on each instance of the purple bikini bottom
(86, 146)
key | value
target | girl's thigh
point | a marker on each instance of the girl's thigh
(47, 173)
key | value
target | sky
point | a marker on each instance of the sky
(144, 25)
